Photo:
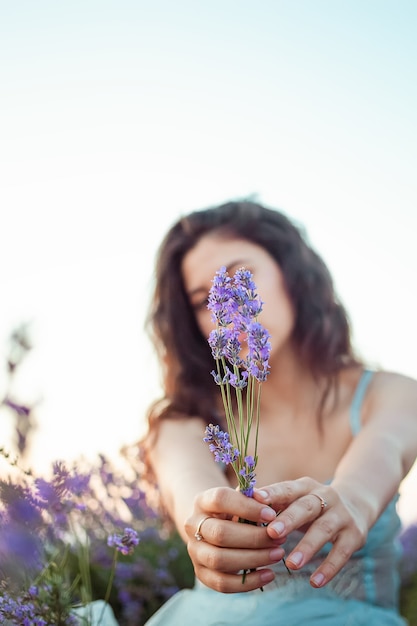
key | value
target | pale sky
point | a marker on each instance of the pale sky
(116, 117)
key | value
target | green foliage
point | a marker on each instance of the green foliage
(408, 600)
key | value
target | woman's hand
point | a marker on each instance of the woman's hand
(319, 511)
(224, 547)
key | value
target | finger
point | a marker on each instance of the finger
(346, 540)
(224, 501)
(298, 515)
(294, 508)
(280, 495)
(231, 534)
(232, 561)
(324, 530)
(338, 556)
(235, 583)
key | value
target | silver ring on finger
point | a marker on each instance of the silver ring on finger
(197, 533)
(323, 503)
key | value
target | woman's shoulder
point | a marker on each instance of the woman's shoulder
(372, 383)
(390, 389)
(383, 379)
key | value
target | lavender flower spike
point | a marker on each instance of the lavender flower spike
(259, 349)
(220, 445)
(220, 301)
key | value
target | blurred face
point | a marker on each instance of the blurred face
(211, 253)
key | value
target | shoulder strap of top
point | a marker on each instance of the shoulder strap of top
(357, 401)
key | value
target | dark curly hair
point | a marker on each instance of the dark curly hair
(321, 333)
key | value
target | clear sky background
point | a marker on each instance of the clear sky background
(118, 116)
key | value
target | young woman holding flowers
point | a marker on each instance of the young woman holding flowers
(335, 438)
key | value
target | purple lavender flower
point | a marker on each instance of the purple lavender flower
(219, 444)
(245, 294)
(19, 612)
(248, 474)
(221, 302)
(232, 349)
(218, 339)
(259, 350)
(125, 543)
(238, 380)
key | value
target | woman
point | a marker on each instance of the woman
(335, 440)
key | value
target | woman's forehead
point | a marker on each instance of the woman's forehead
(213, 252)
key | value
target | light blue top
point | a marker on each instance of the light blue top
(364, 593)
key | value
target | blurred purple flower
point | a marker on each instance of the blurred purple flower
(60, 495)
(408, 541)
(19, 547)
(126, 543)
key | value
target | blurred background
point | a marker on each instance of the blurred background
(116, 117)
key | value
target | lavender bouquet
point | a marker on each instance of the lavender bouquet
(240, 347)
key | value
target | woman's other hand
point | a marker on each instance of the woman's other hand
(319, 511)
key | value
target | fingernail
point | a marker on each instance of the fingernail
(295, 558)
(267, 575)
(317, 580)
(267, 514)
(276, 554)
(278, 527)
(262, 493)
